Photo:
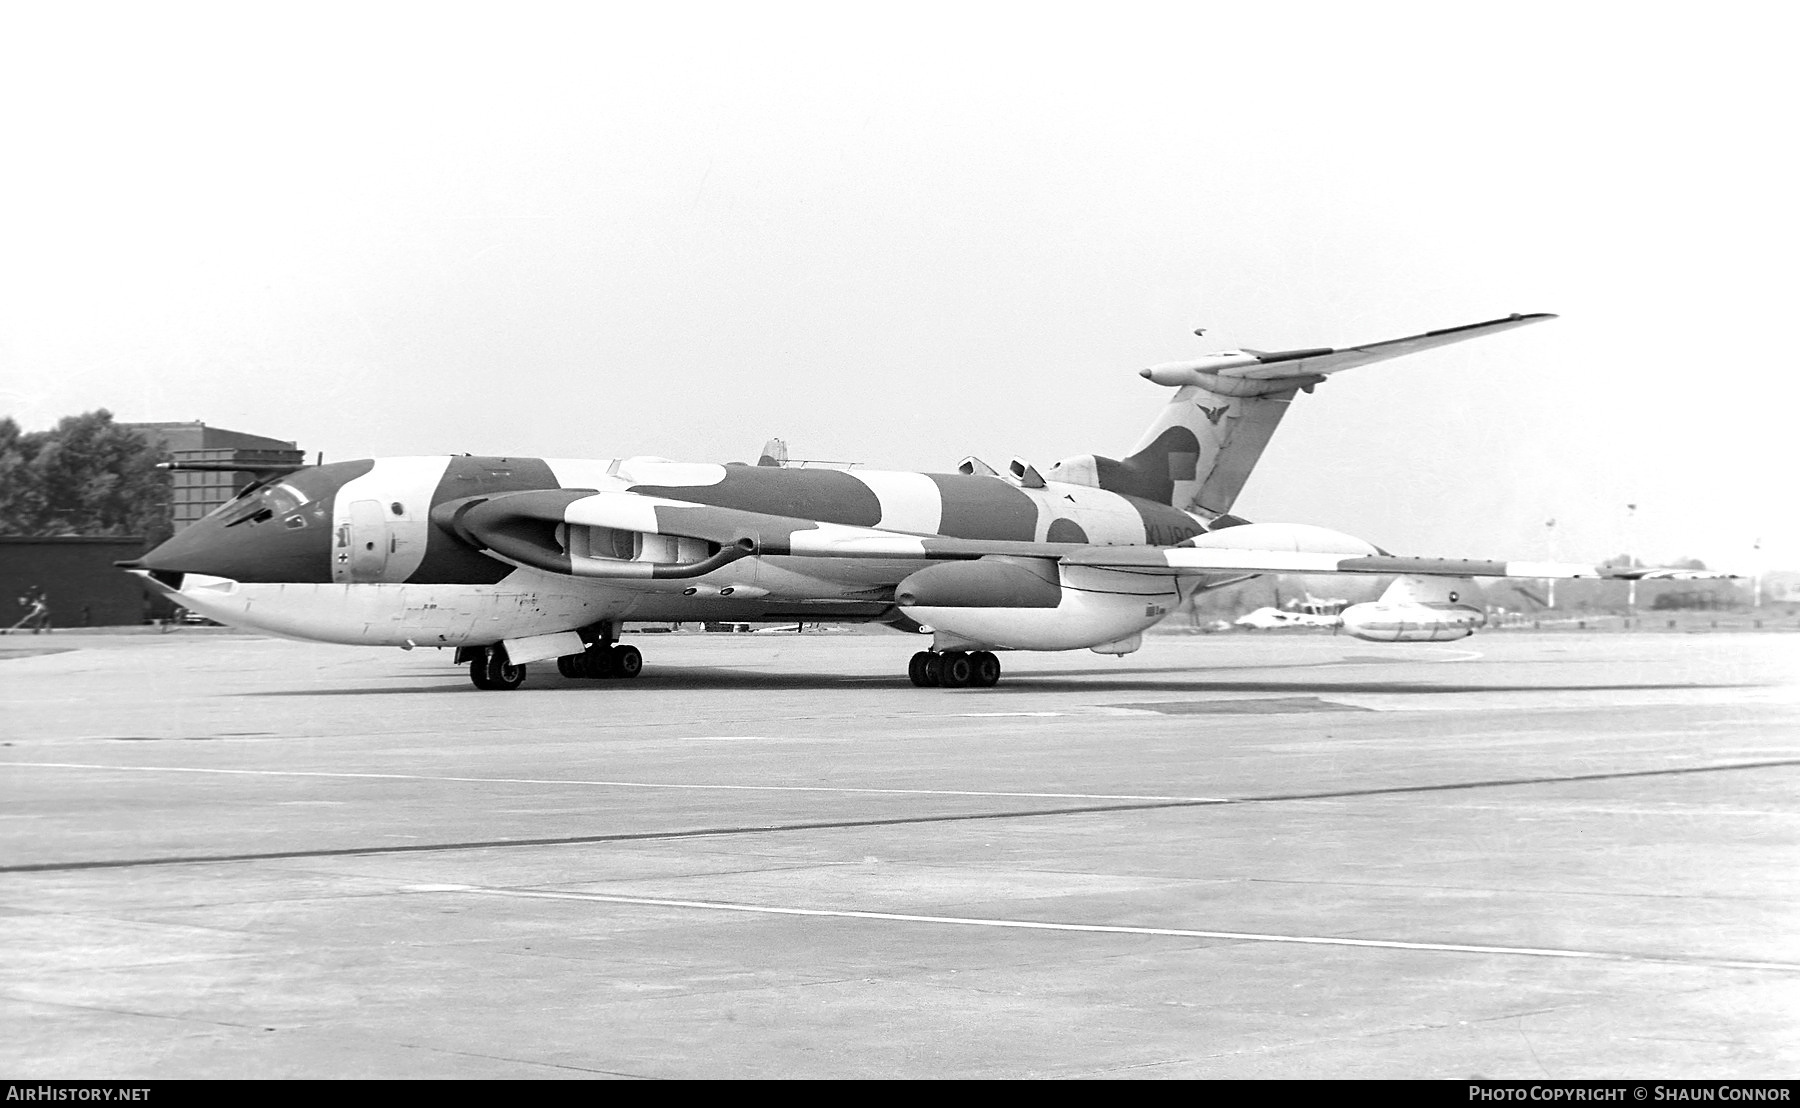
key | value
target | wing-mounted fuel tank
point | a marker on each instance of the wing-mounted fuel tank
(1035, 604)
(1419, 609)
(991, 582)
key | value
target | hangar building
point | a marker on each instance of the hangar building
(75, 573)
(194, 493)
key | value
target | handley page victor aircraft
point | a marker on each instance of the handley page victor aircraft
(519, 560)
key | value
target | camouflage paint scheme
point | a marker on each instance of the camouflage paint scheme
(461, 550)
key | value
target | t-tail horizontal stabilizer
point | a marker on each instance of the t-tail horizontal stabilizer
(1201, 449)
(1232, 372)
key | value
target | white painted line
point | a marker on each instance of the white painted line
(1460, 656)
(976, 715)
(1112, 929)
(1421, 657)
(621, 784)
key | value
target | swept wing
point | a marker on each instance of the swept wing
(588, 533)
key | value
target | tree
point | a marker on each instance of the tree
(87, 476)
(18, 492)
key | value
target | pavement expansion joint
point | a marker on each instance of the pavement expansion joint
(1125, 805)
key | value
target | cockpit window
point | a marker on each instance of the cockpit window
(258, 504)
(261, 503)
(308, 492)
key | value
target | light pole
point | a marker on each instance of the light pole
(1550, 556)
(1631, 559)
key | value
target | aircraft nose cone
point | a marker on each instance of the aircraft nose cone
(242, 552)
(278, 532)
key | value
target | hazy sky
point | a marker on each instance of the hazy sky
(902, 234)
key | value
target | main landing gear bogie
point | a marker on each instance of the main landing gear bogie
(602, 661)
(954, 669)
(489, 668)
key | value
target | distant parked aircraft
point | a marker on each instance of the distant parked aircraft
(1270, 619)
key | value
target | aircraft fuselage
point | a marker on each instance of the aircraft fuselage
(350, 552)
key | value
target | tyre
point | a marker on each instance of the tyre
(932, 670)
(597, 663)
(492, 671)
(956, 670)
(627, 661)
(915, 669)
(985, 670)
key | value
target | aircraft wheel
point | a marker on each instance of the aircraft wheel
(915, 669)
(569, 665)
(627, 661)
(985, 670)
(491, 670)
(596, 663)
(956, 670)
(933, 670)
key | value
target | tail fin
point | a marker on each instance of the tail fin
(1201, 449)
(774, 453)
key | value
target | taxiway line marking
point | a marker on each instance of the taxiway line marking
(625, 784)
(1119, 929)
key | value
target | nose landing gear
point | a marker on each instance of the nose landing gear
(489, 669)
(953, 669)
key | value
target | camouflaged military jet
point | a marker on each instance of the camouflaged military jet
(513, 561)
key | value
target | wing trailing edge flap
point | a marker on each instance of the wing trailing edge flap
(1182, 561)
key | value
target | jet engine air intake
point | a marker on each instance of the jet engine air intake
(527, 528)
(1023, 474)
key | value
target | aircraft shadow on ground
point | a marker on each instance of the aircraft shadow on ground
(1091, 681)
(1325, 688)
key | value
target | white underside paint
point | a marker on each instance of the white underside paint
(525, 604)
